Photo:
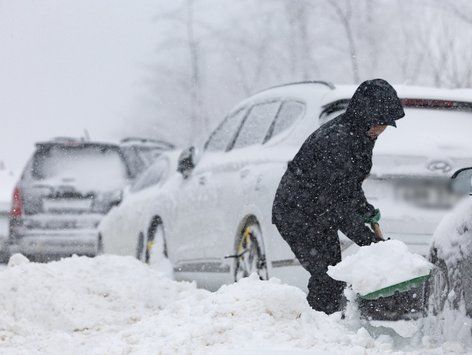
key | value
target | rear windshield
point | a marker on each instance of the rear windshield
(429, 132)
(335, 108)
(91, 167)
(430, 127)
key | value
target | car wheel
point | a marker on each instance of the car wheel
(250, 257)
(99, 245)
(437, 289)
(140, 252)
(156, 247)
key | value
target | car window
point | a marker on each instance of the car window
(288, 114)
(149, 154)
(257, 124)
(88, 167)
(135, 163)
(332, 110)
(151, 176)
(224, 134)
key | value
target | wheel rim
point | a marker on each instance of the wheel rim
(250, 257)
(155, 247)
(100, 245)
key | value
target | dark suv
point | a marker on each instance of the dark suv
(66, 188)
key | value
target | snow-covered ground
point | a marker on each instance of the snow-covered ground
(117, 305)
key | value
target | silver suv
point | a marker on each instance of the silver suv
(66, 188)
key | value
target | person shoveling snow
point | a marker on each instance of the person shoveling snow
(381, 269)
(321, 191)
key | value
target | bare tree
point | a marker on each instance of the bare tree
(213, 53)
(195, 75)
(344, 13)
(298, 42)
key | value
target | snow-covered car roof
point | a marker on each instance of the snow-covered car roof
(308, 89)
(404, 92)
(66, 141)
(145, 142)
(303, 90)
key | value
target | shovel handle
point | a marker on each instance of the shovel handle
(377, 231)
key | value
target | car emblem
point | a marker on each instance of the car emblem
(439, 165)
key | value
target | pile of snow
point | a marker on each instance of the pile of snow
(117, 305)
(379, 265)
(17, 259)
(455, 230)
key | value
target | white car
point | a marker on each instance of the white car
(130, 227)
(215, 216)
(450, 287)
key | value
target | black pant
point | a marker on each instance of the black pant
(316, 245)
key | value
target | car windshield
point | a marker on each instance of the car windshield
(135, 162)
(88, 167)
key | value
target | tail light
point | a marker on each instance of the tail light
(16, 204)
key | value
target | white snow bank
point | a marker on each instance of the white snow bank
(455, 230)
(117, 305)
(17, 259)
(379, 265)
(79, 293)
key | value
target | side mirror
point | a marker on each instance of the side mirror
(462, 181)
(187, 162)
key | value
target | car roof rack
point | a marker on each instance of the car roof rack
(131, 140)
(320, 82)
(71, 141)
(66, 140)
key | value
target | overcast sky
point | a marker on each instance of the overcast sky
(66, 66)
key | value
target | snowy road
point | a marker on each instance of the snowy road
(117, 305)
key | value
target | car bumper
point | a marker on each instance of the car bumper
(63, 243)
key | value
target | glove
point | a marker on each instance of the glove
(375, 218)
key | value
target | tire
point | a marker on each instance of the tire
(156, 246)
(99, 245)
(438, 286)
(152, 247)
(140, 253)
(250, 256)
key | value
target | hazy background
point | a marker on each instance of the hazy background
(171, 69)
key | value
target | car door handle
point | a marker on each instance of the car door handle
(244, 173)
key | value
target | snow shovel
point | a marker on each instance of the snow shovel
(400, 287)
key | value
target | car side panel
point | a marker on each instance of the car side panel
(121, 227)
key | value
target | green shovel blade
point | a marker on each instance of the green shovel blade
(399, 287)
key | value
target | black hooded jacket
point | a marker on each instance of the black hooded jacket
(323, 182)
